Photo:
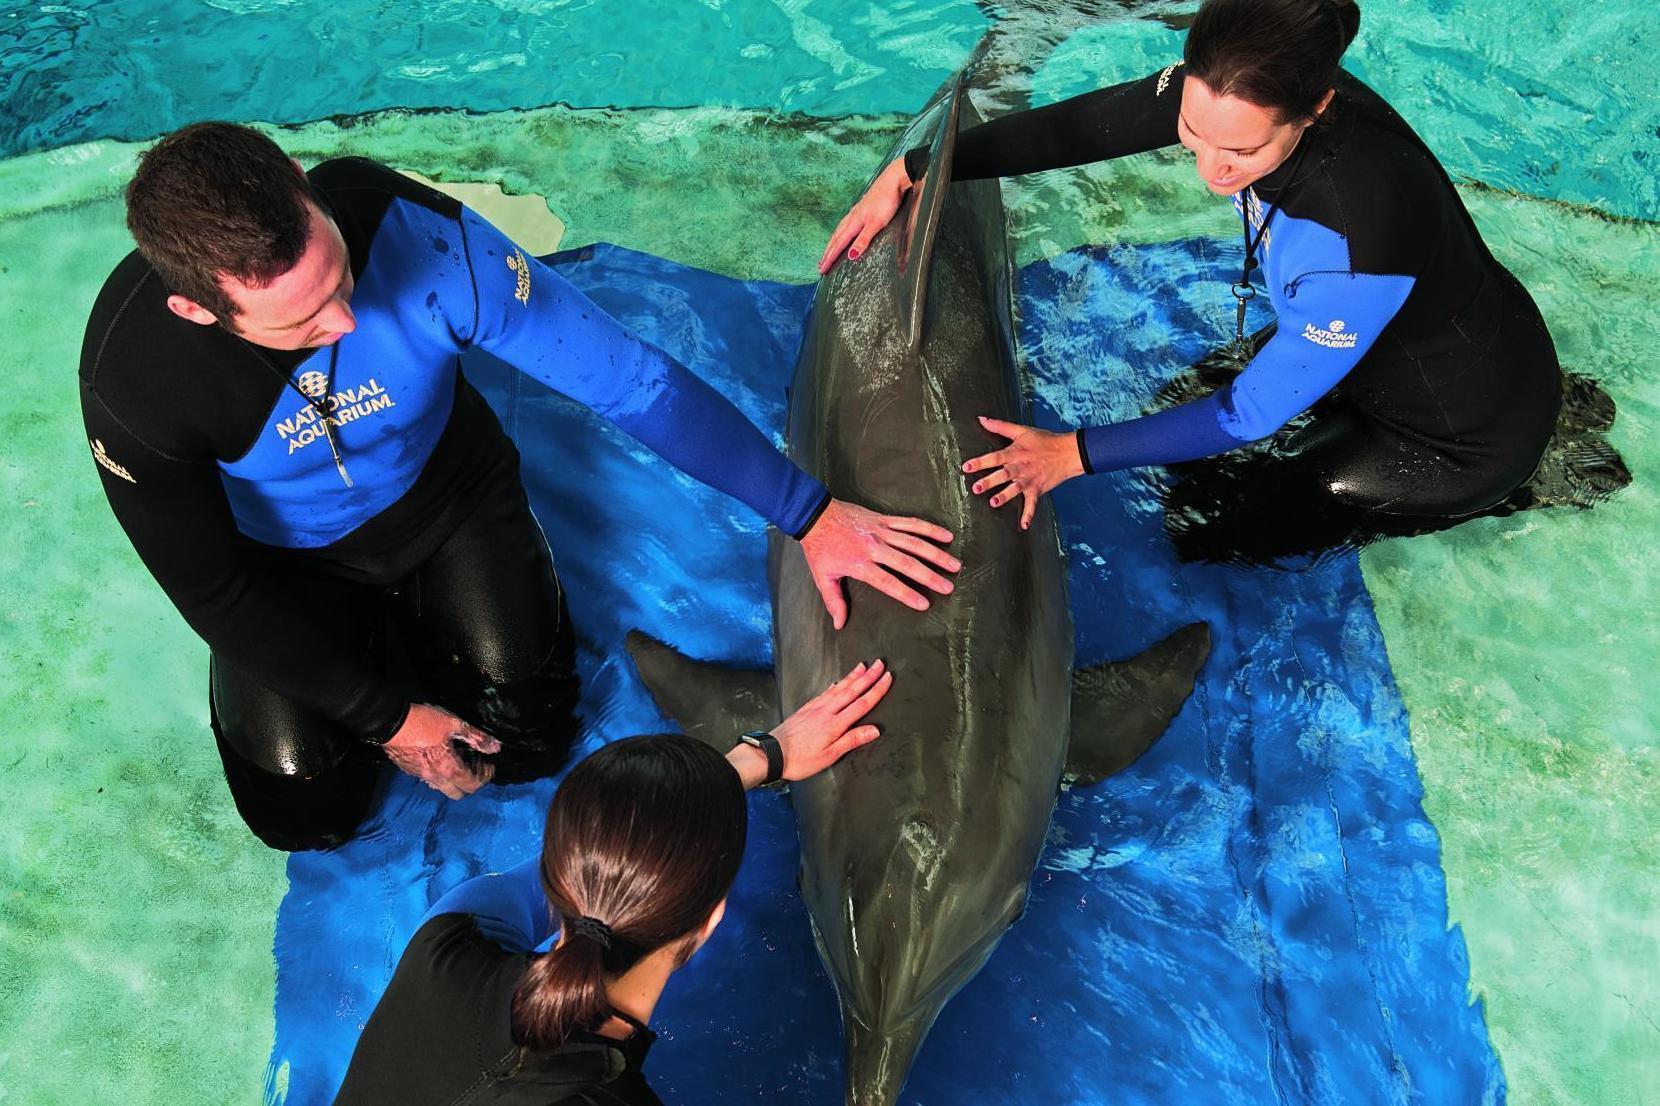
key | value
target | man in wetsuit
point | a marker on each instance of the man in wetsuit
(272, 393)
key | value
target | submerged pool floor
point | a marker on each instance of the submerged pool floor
(137, 920)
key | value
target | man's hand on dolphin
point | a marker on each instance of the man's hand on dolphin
(1033, 463)
(882, 550)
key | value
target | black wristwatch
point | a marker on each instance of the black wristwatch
(768, 744)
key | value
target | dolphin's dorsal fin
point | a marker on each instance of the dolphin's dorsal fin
(1120, 709)
(711, 702)
(922, 220)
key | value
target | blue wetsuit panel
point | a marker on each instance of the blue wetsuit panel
(429, 290)
(1329, 316)
(509, 907)
(394, 383)
(535, 319)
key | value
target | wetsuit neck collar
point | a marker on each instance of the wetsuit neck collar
(1318, 142)
(1296, 165)
(634, 1046)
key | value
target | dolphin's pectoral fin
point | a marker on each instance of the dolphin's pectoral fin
(1120, 709)
(711, 702)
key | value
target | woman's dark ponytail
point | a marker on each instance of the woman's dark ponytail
(1282, 55)
(562, 991)
(643, 841)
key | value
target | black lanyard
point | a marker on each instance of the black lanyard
(323, 415)
(318, 407)
(1244, 291)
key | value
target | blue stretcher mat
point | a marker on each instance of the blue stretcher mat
(1254, 913)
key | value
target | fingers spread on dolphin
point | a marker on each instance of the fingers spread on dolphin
(984, 461)
(1009, 430)
(862, 705)
(852, 739)
(925, 550)
(992, 480)
(854, 685)
(838, 241)
(921, 527)
(891, 586)
(913, 569)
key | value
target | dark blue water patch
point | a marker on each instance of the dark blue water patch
(1254, 913)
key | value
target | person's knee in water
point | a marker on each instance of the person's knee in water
(642, 843)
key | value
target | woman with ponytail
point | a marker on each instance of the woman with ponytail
(642, 844)
(1430, 383)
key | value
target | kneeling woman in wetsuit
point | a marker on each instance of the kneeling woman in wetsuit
(1433, 382)
(643, 842)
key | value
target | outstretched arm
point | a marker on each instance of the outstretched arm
(1125, 119)
(533, 318)
(1330, 325)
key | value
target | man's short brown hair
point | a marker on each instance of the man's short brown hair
(213, 200)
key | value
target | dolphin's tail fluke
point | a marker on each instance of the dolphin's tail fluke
(879, 1060)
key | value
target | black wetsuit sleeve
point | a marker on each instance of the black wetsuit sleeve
(176, 515)
(1129, 118)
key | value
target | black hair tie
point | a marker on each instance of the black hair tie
(593, 929)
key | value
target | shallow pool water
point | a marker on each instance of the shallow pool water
(1499, 668)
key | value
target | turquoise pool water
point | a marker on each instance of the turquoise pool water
(137, 917)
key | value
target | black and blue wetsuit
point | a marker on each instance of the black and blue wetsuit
(1433, 383)
(213, 455)
(441, 1034)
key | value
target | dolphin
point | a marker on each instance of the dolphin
(917, 850)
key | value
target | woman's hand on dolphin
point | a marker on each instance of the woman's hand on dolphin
(866, 218)
(882, 550)
(1033, 463)
(825, 728)
(425, 747)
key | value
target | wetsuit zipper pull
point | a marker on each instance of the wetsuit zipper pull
(334, 450)
(1243, 293)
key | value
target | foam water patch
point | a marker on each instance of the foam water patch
(1254, 913)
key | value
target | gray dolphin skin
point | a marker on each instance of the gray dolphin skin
(917, 850)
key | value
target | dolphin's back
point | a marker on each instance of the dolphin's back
(917, 850)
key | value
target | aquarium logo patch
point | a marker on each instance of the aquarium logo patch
(521, 269)
(312, 384)
(1335, 335)
(1164, 79)
(106, 464)
(347, 405)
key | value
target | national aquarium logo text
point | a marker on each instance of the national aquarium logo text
(347, 405)
(1335, 335)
